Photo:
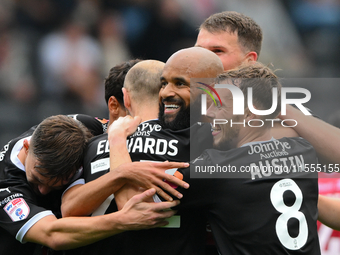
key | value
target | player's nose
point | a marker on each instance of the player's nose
(43, 189)
(211, 111)
(167, 91)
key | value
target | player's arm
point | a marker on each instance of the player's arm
(324, 137)
(278, 131)
(84, 199)
(72, 232)
(329, 211)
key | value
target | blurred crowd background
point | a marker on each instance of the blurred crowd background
(55, 54)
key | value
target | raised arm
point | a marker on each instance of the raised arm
(72, 232)
(324, 137)
(119, 154)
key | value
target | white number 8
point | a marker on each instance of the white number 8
(288, 212)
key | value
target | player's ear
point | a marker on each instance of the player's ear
(248, 115)
(127, 101)
(26, 145)
(251, 57)
(113, 105)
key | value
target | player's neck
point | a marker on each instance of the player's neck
(22, 155)
(146, 113)
(262, 134)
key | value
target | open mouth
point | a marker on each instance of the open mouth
(171, 108)
(215, 130)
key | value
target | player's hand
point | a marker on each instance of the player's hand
(139, 214)
(149, 174)
(124, 126)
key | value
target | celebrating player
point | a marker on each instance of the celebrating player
(267, 202)
(236, 39)
(280, 197)
(46, 158)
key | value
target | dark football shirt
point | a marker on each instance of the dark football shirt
(149, 143)
(266, 212)
(21, 208)
(19, 204)
(97, 126)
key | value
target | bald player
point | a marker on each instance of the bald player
(194, 62)
(141, 89)
(175, 136)
(96, 196)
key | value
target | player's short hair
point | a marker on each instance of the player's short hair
(115, 80)
(248, 31)
(261, 78)
(144, 82)
(58, 143)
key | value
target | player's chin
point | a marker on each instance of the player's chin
(219, 142)
(169, 117)
(37, 192)
(216, 142)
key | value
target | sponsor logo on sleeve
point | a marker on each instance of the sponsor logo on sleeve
(17, 209)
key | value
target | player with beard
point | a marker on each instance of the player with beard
(281, 203)
(80, 200)
(212, 70)
(151, 142)
(180, 72)
(236, 39)
(261, 210)
(175, 94)
(188, 61)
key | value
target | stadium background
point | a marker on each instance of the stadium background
(54, 54)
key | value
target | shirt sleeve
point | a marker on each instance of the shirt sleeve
(19, 210)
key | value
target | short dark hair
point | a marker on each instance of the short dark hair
(261, 78)
(248, 31)
(115, 80)
(58, 143)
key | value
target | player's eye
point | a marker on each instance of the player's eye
(217, 51)
(164, 83)
(180, 83)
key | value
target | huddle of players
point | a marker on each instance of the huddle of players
(265, 215)
(235, 207)
(246, 218)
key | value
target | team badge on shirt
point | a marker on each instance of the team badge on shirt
(17, 209)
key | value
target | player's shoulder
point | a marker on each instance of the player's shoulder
(97, 142)
(98, 138)
(9, 152)
(213, 156)
(96, 125)
(297, 141)
(150, 125)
